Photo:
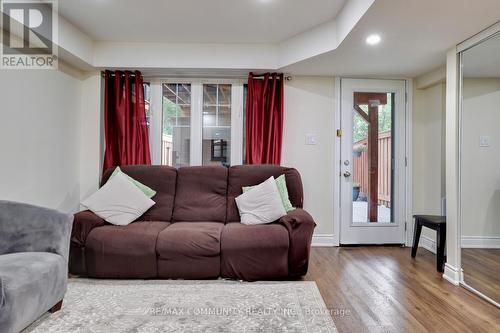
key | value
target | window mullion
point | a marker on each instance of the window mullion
(196, 123)
(216, 105)
(237, 124)
(156, 122)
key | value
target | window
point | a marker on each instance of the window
(216, 141)
(176, 124)
(196, 122)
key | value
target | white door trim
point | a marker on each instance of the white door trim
(336, 164)
(408, 174)
(409, 163)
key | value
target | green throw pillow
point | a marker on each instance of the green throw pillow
(146, 190)
(281, 183)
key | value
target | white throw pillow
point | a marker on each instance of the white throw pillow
(119, 201)
(262, 204)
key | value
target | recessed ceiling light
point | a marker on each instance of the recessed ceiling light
(373, 39)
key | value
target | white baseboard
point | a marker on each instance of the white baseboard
(451, 274)
(323, 240)
(427, 243)
(481, 242)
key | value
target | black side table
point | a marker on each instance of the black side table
(433, 222)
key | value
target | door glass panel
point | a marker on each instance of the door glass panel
(176, 131)
(216, 124)
(372, 147)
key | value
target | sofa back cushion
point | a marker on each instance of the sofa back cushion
(162, 179)
(249, 175)
(201, 194)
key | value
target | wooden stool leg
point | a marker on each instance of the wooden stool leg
(56, 307)
(416, 238)
(440, 244)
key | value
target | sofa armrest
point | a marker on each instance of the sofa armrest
(300, 226)
(83, 223)
(27, 228)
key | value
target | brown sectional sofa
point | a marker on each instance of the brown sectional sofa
(193, 230)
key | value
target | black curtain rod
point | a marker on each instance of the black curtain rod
(258, 77)
(261, 77)
(114, 74)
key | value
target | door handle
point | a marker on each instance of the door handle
(347, 174)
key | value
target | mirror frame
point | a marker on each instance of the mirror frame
(488, 33)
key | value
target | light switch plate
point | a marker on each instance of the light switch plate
(484, 141)
(311, 139)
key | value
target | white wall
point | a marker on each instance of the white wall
(428, 152)
(39, 138)
(91, 126)
(480, 165)
(309, 109)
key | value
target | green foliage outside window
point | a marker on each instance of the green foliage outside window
(360, 126)
(170, 112)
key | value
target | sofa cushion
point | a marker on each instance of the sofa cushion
(123, 251)
(281, 184)
(162, 179)
(254, 252)
(201, 194)
(32, 283)
(262, 204)
(249, 175)
(119, 201)
(148, 191)
(189, 250)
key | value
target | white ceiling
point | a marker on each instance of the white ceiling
(415, 37)
(415, 34)
(197, 21)
(483, 60)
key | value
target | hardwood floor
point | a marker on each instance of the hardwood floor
(482, 271)
(382, 289)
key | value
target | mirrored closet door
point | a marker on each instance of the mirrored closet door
(480, 167)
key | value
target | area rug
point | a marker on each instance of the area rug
(188, 306)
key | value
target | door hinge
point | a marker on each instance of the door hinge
(406, 161)
(405, 225)
(339, 133)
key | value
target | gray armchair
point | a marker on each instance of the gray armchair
(34, 249)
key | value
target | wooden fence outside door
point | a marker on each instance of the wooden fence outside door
(360, 168)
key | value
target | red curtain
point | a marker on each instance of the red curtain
(126, 129)
(264, 119)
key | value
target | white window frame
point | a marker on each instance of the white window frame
(196, 135)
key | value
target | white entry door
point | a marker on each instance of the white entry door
(372, 166)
